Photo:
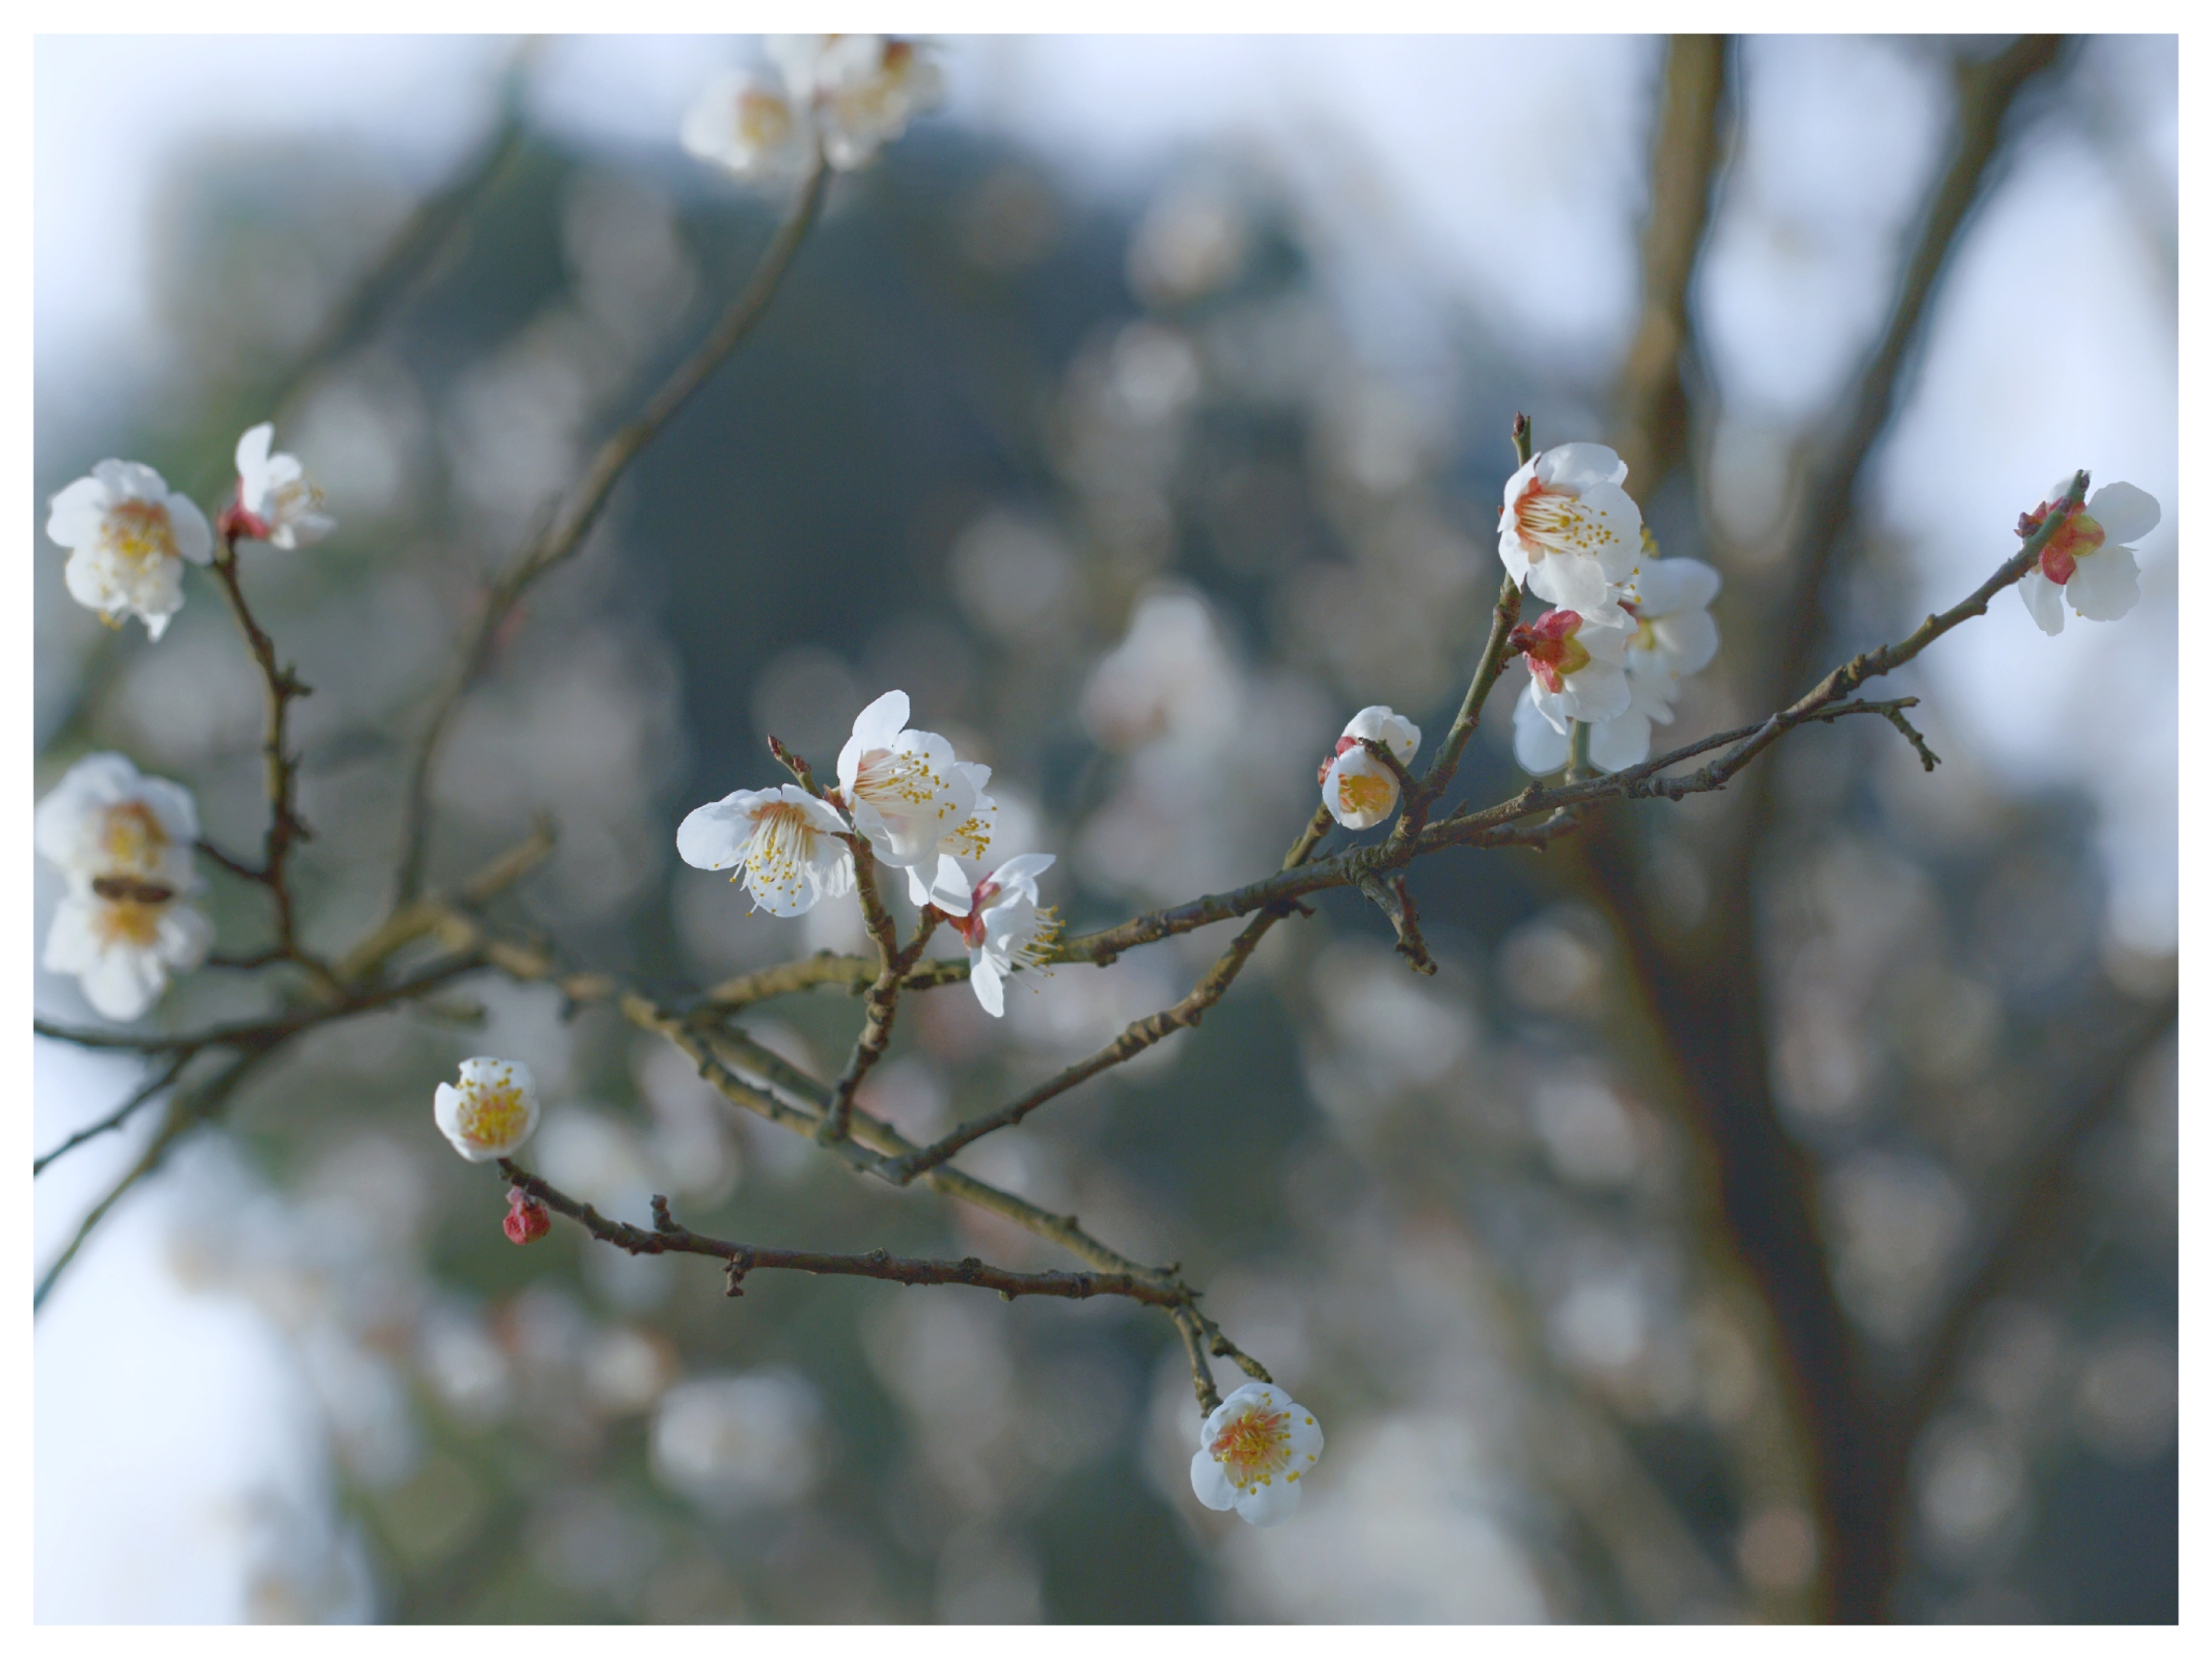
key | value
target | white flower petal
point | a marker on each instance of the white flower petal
(2126, 513)
(1688, 639)
(1539, 746)
(1673, 586)
(2045, 599)
(252, 458)
(195, 540)
(1209, 1481)
(983, 979)
(75, 515)
(2103, 589)
(1598, 692)
(1268, 1505)
(1623, 741)
(1579, 466)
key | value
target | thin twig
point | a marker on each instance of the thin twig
(121, 1115)
(579, 510)
(667, 1238)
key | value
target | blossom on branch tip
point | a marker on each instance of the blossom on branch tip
(742, 125)
(862, 89)
(1357, 788)
(1253, 1450)
(2084, 563)
(128, 536)
(125, 843)
(1575, 667)
(904, 790)
(1005, 929)
(277, 502)
(850, 93)
(493, 1111)
(1568, 531)
(785, 842)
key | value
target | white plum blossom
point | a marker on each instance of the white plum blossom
(904, 789)
(863, 89)
(1358, 789)
(1576, 667)
(1671, 636)
(849, 93)
(1253, 1450)
(1568, 530)
(745, 126)
(784, 840)
(2084, 563)
(128, 536)
(125, 843)
(1005, 929)
(949, 888)
(493, 1111)
(278, 502)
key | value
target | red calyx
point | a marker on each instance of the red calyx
(1544, 643)
(527, 1220)
(235, 521)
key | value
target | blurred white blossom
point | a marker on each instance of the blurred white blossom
(125, 843)
(128, 536)
(278, 502)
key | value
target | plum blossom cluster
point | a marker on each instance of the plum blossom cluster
(916, 807)
(847, 95)
(125, 845)
(129, 536)
(1626, 629)
(126, 841)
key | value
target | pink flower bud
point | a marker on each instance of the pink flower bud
(527, 1220)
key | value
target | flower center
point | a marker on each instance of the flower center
(783, 843)
(889, 779)
(493, 1114)
(1363, 792)
(127, 921)
(1555, 522)
(139, 531)
(1253, 1446)
(763, 119)
(2076, 539)
(1551, 650)
(131, 838)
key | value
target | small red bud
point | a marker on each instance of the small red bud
(527, 1220)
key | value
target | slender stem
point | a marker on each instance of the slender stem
(581, 510)
(114, 1120)
(281, 687)
(667, 1238)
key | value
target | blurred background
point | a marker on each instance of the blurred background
(1769, 1212)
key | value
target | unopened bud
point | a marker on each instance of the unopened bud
(527, 1220)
